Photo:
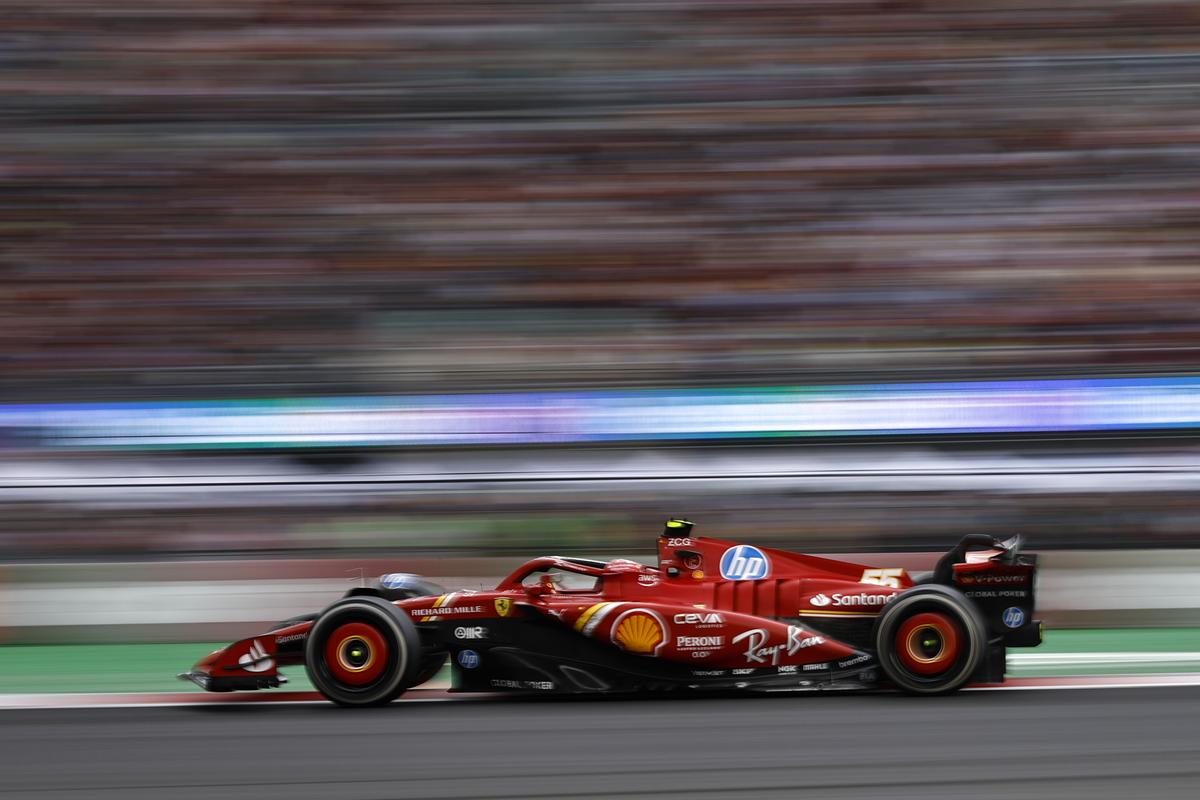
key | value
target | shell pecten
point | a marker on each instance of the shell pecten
(639, 632)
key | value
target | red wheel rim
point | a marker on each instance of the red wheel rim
(927, 644)
(356, 654)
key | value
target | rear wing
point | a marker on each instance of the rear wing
(1000, 580)
(994, 550)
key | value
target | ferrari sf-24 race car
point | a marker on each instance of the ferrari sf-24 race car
(712, 615)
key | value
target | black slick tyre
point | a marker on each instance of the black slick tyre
(930, 640)
(362, 651)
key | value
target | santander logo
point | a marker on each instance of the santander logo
(858, 600)
(256, 659)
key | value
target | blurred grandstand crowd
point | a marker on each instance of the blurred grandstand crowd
(231, 198)
(292, 197)
(476, 522)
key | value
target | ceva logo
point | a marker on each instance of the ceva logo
(819, 600)
(744, 563)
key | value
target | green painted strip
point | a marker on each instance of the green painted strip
(1111, 640)
(1120, 640)
(152, 667)
(39, 669)
(108, 668)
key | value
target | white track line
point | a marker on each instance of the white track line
(26, 702)
(39, 703)
(12, 702)
(1092, 682)
(1099, 659)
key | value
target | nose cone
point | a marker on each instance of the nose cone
(245, 664)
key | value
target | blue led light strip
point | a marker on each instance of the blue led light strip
(640, 415)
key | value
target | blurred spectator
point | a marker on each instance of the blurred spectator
(280, 197)
(302, 197)
(624, 523)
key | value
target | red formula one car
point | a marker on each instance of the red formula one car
(712, 615)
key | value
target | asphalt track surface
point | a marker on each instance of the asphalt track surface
(1084, 743)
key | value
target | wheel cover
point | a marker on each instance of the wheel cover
(928, 644)
(356, 654)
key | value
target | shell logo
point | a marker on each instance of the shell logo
(640, 631)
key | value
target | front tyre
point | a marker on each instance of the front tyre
(930, 640)
(362, 651)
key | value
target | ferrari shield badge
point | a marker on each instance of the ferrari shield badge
(503, 604)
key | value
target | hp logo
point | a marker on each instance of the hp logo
(744, 563)
(1013, 617)
(468, 659)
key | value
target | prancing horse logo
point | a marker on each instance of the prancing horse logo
(503, 604)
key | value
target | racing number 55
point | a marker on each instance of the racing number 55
(882, 577)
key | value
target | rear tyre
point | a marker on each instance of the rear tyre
(362, 651)
(930, 640)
